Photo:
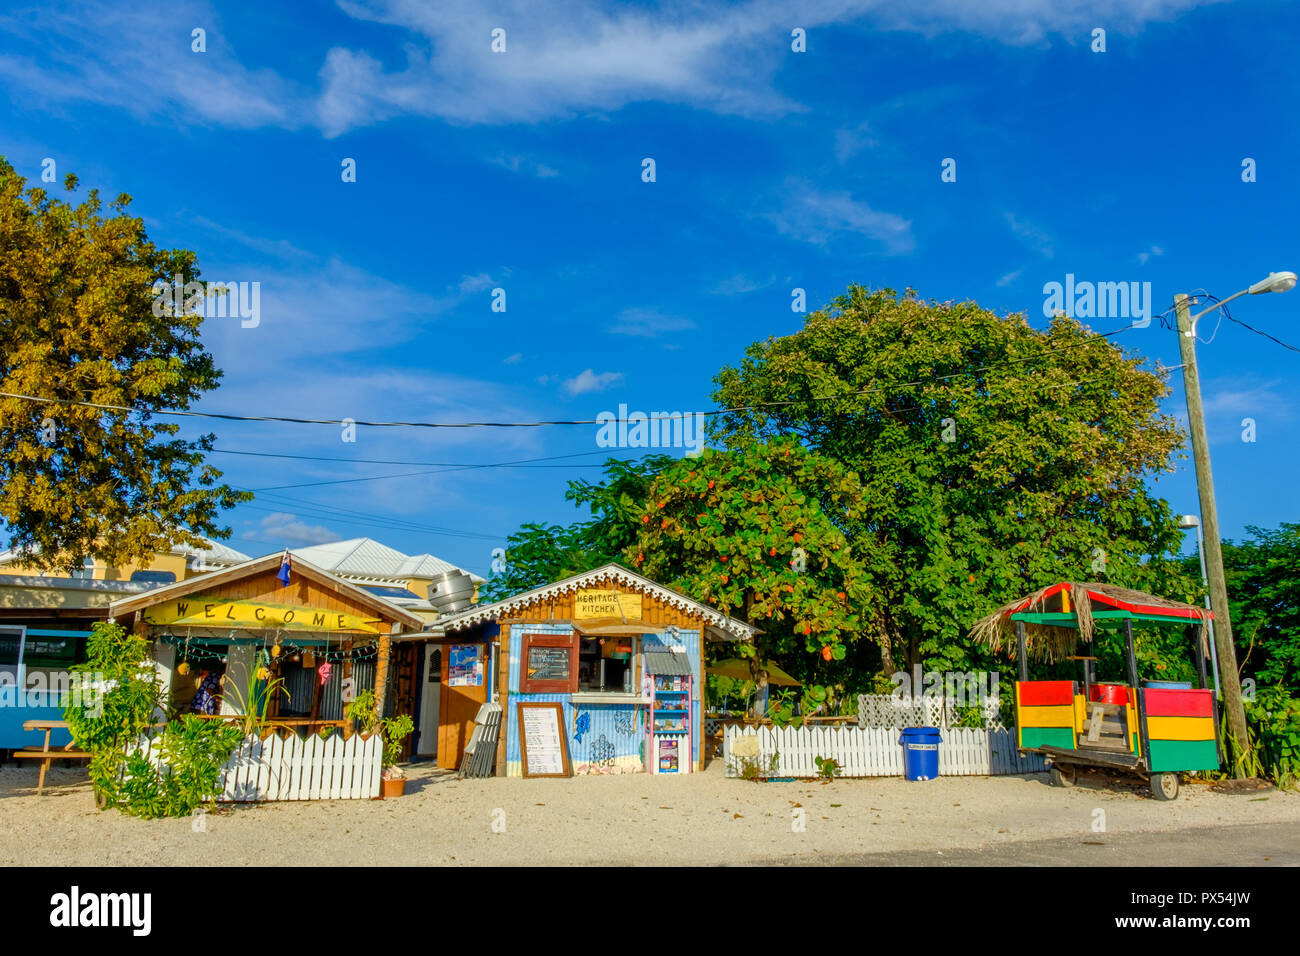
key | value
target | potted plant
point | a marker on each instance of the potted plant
(395, 730)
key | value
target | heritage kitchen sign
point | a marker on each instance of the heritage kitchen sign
(599, 602)
(210, 612)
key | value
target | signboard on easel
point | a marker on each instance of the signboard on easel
(543, 751)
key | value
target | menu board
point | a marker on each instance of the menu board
(465, 666)
(542, 748)
(548, 663)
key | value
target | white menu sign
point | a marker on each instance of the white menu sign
(543, 751)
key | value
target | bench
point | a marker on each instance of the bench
(44, 753)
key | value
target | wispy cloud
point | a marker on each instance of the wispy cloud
(1032, 235)
(820, 217)
(287, 530)
(591, 381)
(741, 284)
(526, 165)
(1009, 278)
(563, 59)
(851, 141)
(649, 323)
(1144, 257)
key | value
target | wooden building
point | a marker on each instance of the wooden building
(318, 633)
(610, 658)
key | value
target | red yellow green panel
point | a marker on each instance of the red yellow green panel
(1031, 737)
(1047, 716)
(1180, 728)
(1183, 755)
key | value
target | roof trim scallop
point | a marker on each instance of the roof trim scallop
(737, 630)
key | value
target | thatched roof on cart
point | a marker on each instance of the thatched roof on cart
(1052, 641)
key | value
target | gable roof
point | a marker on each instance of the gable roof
(727, 627)
(267, 562)
(366, 557)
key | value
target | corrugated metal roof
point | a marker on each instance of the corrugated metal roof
(370, 558)
(667, 663)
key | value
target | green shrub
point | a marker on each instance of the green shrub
(185, 767)
(1273, 719)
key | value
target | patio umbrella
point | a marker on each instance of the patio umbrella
(737, 668)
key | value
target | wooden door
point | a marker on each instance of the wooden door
(459, 701)
(403, 663)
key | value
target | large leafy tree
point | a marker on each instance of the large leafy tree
(78, 325)
(1263, 575)
(994, 457)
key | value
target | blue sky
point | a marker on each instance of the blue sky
(775, 169)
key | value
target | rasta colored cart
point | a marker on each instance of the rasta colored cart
(1153, 728)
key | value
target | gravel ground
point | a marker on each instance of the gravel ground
(632, 819)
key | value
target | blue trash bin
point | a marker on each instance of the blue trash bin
(920, 752)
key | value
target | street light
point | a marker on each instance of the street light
(1212, 552)
(1191, 521)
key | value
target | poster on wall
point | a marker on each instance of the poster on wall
(465, 666)
(543, 751)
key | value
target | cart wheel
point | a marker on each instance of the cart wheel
(1164, 786)
(1060, 776)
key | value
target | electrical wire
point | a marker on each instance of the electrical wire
(543, 424)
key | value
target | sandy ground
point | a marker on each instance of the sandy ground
(635, 819)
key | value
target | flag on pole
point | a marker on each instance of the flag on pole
(286, 566)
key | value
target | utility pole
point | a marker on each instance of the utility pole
(1229, 679)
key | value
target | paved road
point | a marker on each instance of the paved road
(1264, 844)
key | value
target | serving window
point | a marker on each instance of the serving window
(605, 664)
(549, 664)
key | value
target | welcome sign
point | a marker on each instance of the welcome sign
(209, 612)
(599, 602)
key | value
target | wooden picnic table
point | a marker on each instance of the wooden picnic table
(44, 754)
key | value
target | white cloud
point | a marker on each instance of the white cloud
(563, 59)
(513, 359)
(1032, 235)
(525, 164)
(815, 216)
(591, 381)
(1009, 278)
(285, 529)
(741, 284)
(851, 141)
(649, 323)
(1144, 257)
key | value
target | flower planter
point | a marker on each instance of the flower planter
(392, 788)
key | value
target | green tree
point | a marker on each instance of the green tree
(761, 533)
(994, 457)
(1263, 576)
(78, 325)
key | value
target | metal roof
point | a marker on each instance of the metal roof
(369, 558)
(667, 663)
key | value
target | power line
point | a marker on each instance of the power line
(437, 464)
(544, 424)
(1265, 334)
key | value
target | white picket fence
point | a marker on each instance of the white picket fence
(296, 768)
(873, 751)
(889, 710)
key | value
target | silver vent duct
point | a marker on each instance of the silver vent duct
(452, 591)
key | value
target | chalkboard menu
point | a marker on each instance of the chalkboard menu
(548, 663)
(542, 749)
